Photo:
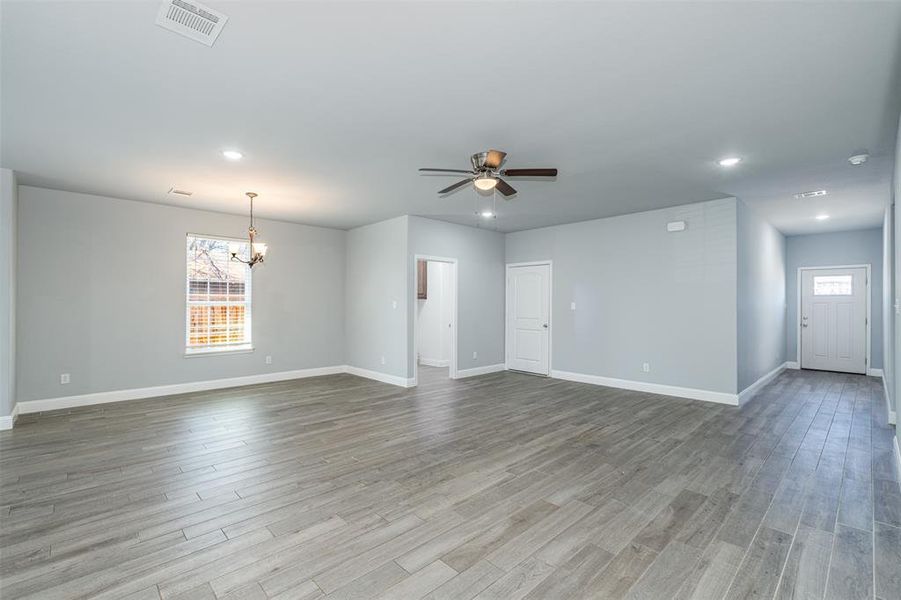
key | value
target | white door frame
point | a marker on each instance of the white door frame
(550, 311)
(452, 369)
(869, 307)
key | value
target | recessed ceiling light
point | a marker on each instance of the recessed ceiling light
(487, 214)
(822, 217)
(729, 161)
(232, 154)
(811, 194)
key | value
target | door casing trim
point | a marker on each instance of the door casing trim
(869, 320)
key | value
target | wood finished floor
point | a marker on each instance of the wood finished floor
(503, 486)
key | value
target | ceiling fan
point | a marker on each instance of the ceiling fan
(486, 168)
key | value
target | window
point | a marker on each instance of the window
(217, 314)
(832, 285)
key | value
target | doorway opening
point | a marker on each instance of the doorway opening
(435, 317)
(833, 318)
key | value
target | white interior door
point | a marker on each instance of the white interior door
(834, 319)
(528, 318)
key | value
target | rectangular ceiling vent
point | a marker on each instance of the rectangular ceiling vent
(811, 194)
(192, 20)
(178, 192)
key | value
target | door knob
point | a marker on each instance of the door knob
(545, 325)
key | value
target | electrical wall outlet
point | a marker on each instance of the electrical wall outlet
(383, 360)
(646, 367)
(572, 306)
(394, 304)
(268, 360)
(64, 378)
(475, 355)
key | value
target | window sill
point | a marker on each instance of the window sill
(197, 353)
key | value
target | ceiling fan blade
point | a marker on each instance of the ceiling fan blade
(494, 159)
(451, 188)
(429, 169)
(504, 188)
(529, 172)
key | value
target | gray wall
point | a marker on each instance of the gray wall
(101, 295)
(888, 292)
(761, 297)
(480, 273)
(644, 295)
(376, 327)
(8, 203)
(826, 249)
(896, 276)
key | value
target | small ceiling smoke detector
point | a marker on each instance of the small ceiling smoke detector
(178, 192)
(858, 159)
(811, 194)
(192, 20)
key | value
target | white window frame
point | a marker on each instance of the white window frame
(225, 348)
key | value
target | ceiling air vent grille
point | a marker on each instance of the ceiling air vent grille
(811, 194)
(192, 20)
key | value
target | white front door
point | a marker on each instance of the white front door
(528, 318)
(834, 319)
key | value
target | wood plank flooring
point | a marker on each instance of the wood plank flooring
(503, 486)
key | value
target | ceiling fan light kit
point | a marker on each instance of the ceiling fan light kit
(485, 182)
(486, 172)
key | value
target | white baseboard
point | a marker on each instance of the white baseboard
(7, 422)
(434, 362)
(654, 388)
(379, 376)
(480, 371)
(792, 364)
(33, 406)
(892, 416)
(874, 372)
(897, 457)
(747, 393)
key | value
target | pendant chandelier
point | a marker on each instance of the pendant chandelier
(257, 249)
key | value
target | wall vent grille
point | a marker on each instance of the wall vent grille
(192, 20)
(178, 192)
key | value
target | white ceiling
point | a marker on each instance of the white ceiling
(336, 104)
